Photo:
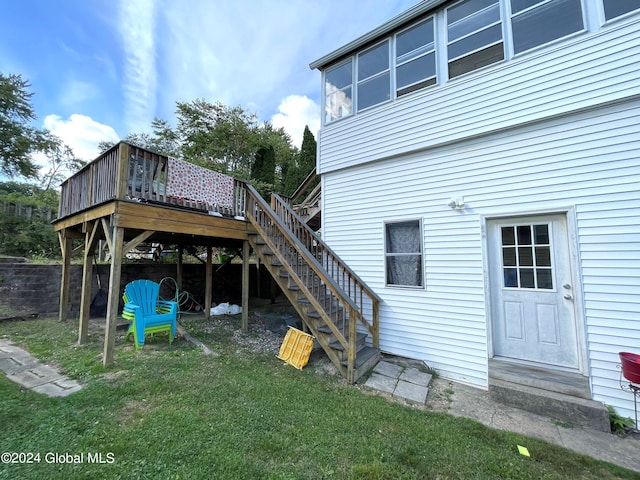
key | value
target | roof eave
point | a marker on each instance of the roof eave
(397, 21)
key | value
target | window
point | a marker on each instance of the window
(615, 8)
(415, 58)
(526, 257)
(373, 76)
(536, 22)
(338, 86)
(403, 253)
(474, 32)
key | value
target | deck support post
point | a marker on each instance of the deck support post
(114, 295)
(179, 267)
(87, 277)
(65, 246)
(245, 285)
(208, 282)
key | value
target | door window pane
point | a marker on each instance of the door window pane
(526, 278)
(508, 236)
(525, 256)
(544, 22)
(524, 235)
(509, 256)
(541, 234)
(544, 279)
(543, 257)
(525, 265)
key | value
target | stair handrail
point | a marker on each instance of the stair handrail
(314, 243)
(318, 269)
(304, 185)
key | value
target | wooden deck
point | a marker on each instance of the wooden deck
(123, 198)
(129, 196)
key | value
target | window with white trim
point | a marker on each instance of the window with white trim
(474, 35)
(616, 8)
(536, 22)
(403, 253)
(374, 78)
(415, 58)
(338, 87)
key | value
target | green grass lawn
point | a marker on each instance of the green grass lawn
(170, 412)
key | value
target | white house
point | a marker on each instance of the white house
(480, 164)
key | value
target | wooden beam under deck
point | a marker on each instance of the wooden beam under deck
(168, 222)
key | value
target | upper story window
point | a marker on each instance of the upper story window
(615, 8)
(338, 90)
(474, 35)
(415, 58)
(374, 81)
(536, 22)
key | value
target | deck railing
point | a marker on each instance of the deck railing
(129, 172)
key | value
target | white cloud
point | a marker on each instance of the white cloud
(140, 75)
(81, 133)
(294, 112)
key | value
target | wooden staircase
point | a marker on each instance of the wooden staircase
(339, 310)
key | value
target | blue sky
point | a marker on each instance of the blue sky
(100, 69)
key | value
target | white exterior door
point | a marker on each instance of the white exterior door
(531, 290)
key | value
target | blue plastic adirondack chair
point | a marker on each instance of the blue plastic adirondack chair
(146, 312)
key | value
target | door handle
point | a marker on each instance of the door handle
(567, 297)
(566, 286)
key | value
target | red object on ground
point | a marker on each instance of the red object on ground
(630, 366)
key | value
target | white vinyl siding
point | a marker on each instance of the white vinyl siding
(579, 74)
(586, 162)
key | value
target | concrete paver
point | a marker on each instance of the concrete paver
(388, 369)
(411, 392)
(382, 383)
(21, 367)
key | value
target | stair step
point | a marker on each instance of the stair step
(360, 340)
(567, 408)
(367, 354)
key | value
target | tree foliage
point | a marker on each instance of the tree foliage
(25, 220)
(302, 165)
(18, 140)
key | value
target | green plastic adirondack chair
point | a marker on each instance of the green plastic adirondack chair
(146, 312)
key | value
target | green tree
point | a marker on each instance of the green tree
(219, 137)
(302, 165)
(263, 170)
(26, 212)
(18, 140)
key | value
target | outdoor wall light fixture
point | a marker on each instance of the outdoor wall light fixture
(456, 203)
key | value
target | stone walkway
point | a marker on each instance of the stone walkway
(406, 383)
(21, 367)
